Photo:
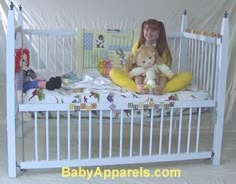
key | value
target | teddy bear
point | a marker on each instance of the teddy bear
(146, 62)
(27, 75)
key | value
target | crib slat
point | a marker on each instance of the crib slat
(198, 128)
(201, 64)
(110, 136)
(131, 133)
(192, 58)
(170, 131)
(189, 129)
(68, 135)
(30, 45)
(71, 53)
(58, 135)
(141, 134)
(46, 52)
(36, 135)
(55, 53)
(100, 134)
(63, 54)
(161, 130)
(209, 67)
(121, 131)
(195, 60)
(151, 133)
(205, 66)
(216, 70)
(79, 135)
(212, 70)
(180, 130)
(39, 51)
(188, 55)
(47, 137)
(90, 135)
(198, 61)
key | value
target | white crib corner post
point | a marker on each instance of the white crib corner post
(10, 93)
(184, 22)
(20, 17)
(221, 90)
(19, 35)
(183, 45)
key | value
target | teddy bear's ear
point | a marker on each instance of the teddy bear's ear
(141, 46)
(130, 62)
(158, 58)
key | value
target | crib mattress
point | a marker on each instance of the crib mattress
(101, 90)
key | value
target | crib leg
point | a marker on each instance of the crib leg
(217, 138)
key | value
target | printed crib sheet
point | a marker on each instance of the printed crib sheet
(100, 90)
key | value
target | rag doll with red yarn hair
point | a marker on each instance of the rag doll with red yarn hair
(27, 78)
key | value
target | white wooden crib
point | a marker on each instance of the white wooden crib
(177, 134)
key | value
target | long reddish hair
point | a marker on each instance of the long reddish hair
(18, 56)
(161, 43)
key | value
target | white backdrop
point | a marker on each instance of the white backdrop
(202, 14)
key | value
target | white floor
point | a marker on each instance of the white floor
(192, 171)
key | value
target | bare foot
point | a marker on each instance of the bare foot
(157, 90)
(141, 89)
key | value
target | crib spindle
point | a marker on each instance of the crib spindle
(90, 135)
(161, 131)
(131, 132)
(55, 54)
(100, 134)
(205, 66)
(141, 133)
(189, 129)
(170, 131)
(46, 52)
(197, 60)
(110, 135)
(121, 131)
(68, 136)
(47, 136)
(201, 64)
(198, 128)
(58, 134)
(63, 54)
(79, 135)
(151, 133)
(212, 70)
(72, 46)
(180, 130)
(39, 51)
(36, 136)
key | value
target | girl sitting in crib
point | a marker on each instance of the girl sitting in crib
(27, 76)
(152, 34)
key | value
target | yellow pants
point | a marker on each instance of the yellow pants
(180, 81)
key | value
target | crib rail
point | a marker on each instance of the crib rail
(116, 137)
(47, 47)
(198, 54)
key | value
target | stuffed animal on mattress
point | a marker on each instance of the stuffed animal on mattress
(124, 79)
(26, 77)
(147, 63)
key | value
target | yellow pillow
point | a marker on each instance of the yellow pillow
(180, 81)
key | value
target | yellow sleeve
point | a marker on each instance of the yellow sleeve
(135, 47)
(166, 58)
